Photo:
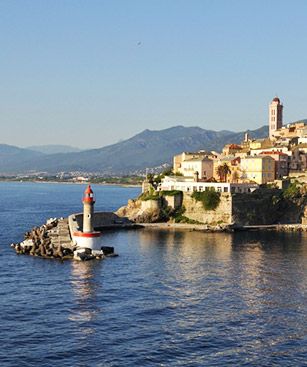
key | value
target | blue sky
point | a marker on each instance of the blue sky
(89, 73)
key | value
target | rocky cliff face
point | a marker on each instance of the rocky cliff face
(139, 211)
(267, 206)
(264, 206)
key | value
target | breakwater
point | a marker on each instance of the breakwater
(53, 240)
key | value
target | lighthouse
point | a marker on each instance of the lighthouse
(88, 210)
(88, 237)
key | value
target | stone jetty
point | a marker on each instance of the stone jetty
(65, 239)
(53, 240)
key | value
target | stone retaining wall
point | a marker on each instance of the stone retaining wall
(222, 214)
(100, 220)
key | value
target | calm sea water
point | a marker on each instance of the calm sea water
(172, 298)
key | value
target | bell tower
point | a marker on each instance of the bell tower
(275, 116)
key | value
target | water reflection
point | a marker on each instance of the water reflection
(84, 285)
(188, 243)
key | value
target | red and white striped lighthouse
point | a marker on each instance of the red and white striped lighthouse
(88, 237)
(88, 210)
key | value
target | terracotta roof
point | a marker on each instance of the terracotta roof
(234, 146)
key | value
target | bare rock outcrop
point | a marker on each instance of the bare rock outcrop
(139, 211)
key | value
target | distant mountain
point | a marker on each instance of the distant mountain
(54, 149)
(147, 149)
(13, 158)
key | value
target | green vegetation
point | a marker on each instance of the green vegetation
(293, 191)
(276, 199)
(170, 192)
(125, 180)
(155, 195)
(223, 170)
(178, 217)
(210, 198)
(150, 195)
(156, 179)
(184, 219)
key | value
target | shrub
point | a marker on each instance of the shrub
(210, 198)
(149, 195)
(170, 192)
(292, 191)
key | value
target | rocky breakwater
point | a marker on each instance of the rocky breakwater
(45, 241)
(52, 240)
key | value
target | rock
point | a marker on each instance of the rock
(107, 250)
(83, 255)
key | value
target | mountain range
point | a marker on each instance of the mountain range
(147, 149)
(54, 149)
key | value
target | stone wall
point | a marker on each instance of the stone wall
(100, 219)
(256, 208)
(151, 205)
(222, 214)
(264, 206)
(173, 201)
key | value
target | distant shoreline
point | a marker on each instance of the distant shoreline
(72, 183)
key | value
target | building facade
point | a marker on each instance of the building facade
(259, 169)
(188, 185)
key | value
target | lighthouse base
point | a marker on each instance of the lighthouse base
(90, 240)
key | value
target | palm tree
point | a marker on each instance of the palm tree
(223, 170)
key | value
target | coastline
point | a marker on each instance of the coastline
(71, 183)
(225, 228)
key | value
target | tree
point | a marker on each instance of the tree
(223, 170)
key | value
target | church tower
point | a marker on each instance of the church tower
(275, 116)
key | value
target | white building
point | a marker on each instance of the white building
(186, 184)
(204, 167)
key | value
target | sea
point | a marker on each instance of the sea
(171, 297)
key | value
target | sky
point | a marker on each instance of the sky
(90, 73)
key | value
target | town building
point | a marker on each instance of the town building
(231, 149)
(281, 163)
(259, 169)
(187, 184)
(188, 163)
(203, 167)
(234, 168)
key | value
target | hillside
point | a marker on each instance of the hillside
(147, 149)
(13, 158)
(54, 148)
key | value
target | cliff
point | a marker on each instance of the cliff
(262, 207)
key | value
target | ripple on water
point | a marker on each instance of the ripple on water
(169, 299)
